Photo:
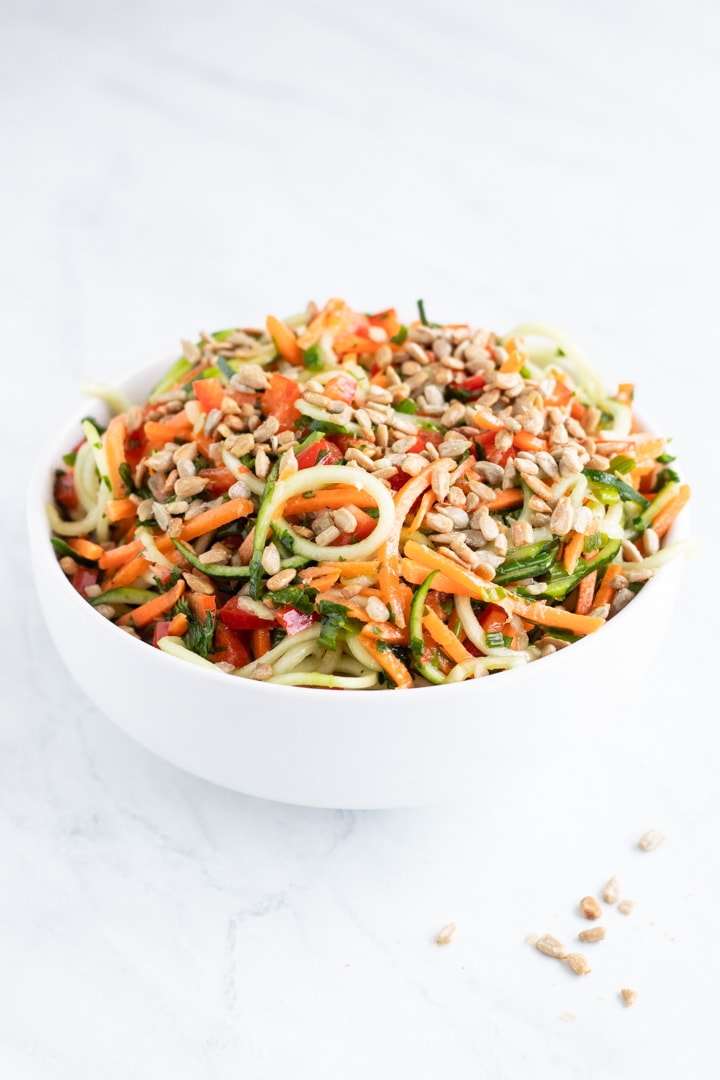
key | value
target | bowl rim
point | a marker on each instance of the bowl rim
(47, 459)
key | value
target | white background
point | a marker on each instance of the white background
(171, 167)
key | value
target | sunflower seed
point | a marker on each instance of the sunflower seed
(280, 580)
(590, 908)
(577, 963)
(595, 933)
(550, 946)
(611, 892)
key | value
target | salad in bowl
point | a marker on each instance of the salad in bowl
(349, 501)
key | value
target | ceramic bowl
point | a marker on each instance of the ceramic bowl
(349, 749)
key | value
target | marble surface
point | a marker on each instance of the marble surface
(169, 167)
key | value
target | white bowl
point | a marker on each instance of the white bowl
(348, 749)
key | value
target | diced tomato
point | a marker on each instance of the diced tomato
(293, 621)
(65, 493)
(397, 481)
(321, 452)
(472, 386)
(388, 320)
(210, 393)
(365, 523)
(135, 446)
(240, 397)
(237, 618)
(279, 399)
(498, 457)
(82, 578)
(230, 647)
(160, 630)
(219, 480)
(342, 387)
(423, 438)
(493, 619)
(560, 396)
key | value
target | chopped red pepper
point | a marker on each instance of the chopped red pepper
(210, 393)
(65, 493)
(237, 617)
(342, 387)
(321, 452)
(230, 647)
(219, 480)
(82, 578)
(279, 399)
(293, 621)
(160, 630)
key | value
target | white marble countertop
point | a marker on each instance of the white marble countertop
(171, 167)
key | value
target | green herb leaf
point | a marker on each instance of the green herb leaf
(312, 358)
(303, 599)
(406, 406)
(200, 632)
(399, 338)
(334, 618)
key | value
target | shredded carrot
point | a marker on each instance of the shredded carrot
(285, 340)
(145, 614)
(572, 552)
(416, 574)
(111, 560)
(505, 500)
(335, 318)
(586, 593)
(523, 440)
(86, 549)
(445, 638)
(158, 432)
(625, 393)
(545, 615)
(327, 499)
(515, 358)
(389, 662)
(325, 581)
(128, 573)
(384, 632)
(114, 439)
(474, 581)
(389, 576)
(649, 449)
(664, 520)
(216, 518)
(606, 591)
(578, 410)
(178, 625)
(120, 509)
(425, 503)
(487, 421)
(260, 642)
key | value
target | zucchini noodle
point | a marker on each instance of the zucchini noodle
(319, 477)
(175, 646)
(113, 398)
(573, 362)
